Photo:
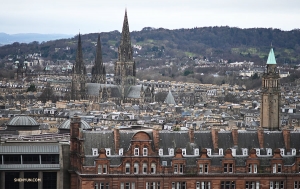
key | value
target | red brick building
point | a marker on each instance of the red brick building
(132, 159)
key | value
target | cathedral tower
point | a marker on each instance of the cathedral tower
(270, 97)
(98, 70)
(125, 70)
(78, 75)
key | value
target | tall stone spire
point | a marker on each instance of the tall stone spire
(125, 49)
(98, 70)
(79, 67)
(79, 75)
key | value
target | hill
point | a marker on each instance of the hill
(210, 43)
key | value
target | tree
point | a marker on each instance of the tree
(48, 94)
(31, 88)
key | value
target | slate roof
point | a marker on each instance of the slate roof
(273, 139)
(134, 91)
(203, 140)
(178, 139)
(93, 89)
(225, 140)
(248, 140)
(295, 139)
(98, 139)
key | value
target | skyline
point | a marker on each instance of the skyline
(92, 16)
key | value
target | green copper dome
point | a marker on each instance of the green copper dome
(271, 58)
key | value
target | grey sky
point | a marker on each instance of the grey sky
(90, 16)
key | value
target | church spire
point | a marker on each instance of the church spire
(98, 70)
(79, 67)
(125, 49)
(98, 61)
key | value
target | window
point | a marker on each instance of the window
(183, 151)
(107, 151)
(121, 151)
(95, 151)
(152, 185)
(136, 151)
(277, 168)
(282, 152)
(50, 158)
(245, 151)
(164, 163)
(178, 185)
(276, 185)
(145, 151)
(30, 159)
(196, 151)
(252, 168)
(252, 185)
(269, 151)
(101, 185)
(203, 168)
(136, 168)
(127, 168)
(227, 184)
(180, 168)
(175, 168)
(221, 151)
(297, 185)
(257, 151)
(128, 185)
(208, 151)
(171, 151)
(104, 169)
(145, 168)
(293, 151)
(153, 168)
(228, 168)
(160, 152)
(99, 169)
(203, 185)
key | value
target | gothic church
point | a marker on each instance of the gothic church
(124, 89)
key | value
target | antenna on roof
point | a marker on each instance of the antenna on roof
(271, 44)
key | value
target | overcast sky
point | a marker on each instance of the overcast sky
(91, 16)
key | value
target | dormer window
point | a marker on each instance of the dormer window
(245, 151)
(221, 151)
(121, 151)
(107, 151)
(145, 151)
(269, 151)
(257, 151)
(183, 151)
(282, 152)
(233, 152)
(136, 151)
(208, 151)
(160, 152)
(95, 151)
(171, 151)
(196, 151)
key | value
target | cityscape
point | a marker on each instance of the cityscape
(78, 124)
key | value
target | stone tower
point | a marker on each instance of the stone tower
(125, 70)
(98, 70)
(78, 91)
(270, 97)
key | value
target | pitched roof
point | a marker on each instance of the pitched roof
(170, 98)
(271, 57)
